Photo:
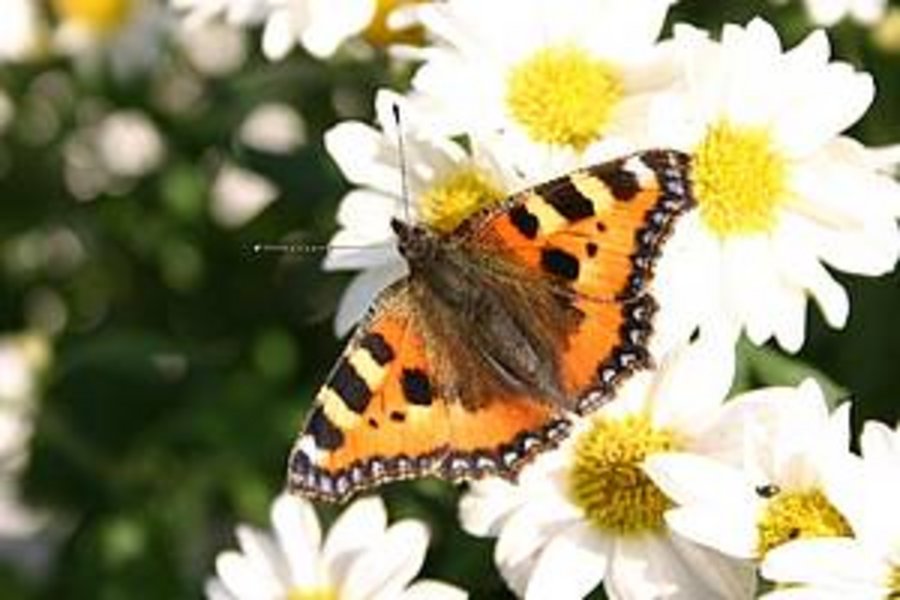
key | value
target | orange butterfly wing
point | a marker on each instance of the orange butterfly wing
(380, 417)
(596, 234)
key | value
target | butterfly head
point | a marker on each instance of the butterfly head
(417, 244)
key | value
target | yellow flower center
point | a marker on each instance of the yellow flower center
(456, 197)
(607, 481)
(792, 515)
(887, 31)
(311, 594)
(740, 180)
(894, 582)
(379, 34)
(561, 95)
(100, 15)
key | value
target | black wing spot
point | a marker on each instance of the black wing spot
(379, 349)
(623, 184)
(524, 221)
(601, 226)
(565, 199)
(373, 423)
(416, 387)
(326, 435)
(397, 416)
(591, 249)
(560, 263)
(351, 388)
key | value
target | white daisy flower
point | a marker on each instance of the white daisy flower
(111, 154)
(22, 359)
(570, 74)
(213, 48)
(866, 565)
(792, 480)
(361, 558)
(273, 127)
(446, 184)
(22, 30)
(127, 33)
(780, 192)
(239, 195)
(587, 512)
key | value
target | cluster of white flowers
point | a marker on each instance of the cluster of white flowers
(675, 489)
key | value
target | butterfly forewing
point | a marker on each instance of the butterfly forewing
(595, 234)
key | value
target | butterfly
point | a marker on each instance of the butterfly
(526, 313)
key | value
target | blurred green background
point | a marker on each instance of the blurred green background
(174, 365)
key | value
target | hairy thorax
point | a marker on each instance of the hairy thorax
(501, 326)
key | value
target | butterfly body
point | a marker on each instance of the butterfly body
(483, 306)
(526, 313)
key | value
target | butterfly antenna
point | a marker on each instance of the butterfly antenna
(305, 248)
(404, 178)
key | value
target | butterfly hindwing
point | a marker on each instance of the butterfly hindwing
(383, 415)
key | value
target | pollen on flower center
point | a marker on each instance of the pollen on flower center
(325, 593)
(379, 34)
(99, 15)
(607, 480)
(792, 515)
(740, 180)
(447, 203)
(562, 95)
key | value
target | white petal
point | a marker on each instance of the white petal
(648, 566)
(730, 529)
(432, 590)
(692, 383)
(826, 12)
(690, 478)
(298, 532)
(751, 280)
(214, 589)
(328, 28)
(364, 521)
(572, 564)
(243, 580)
(278, 36)
(368, 211)
(807, 272)
(365, 157)
(261, 550)
(879, 442)
(726, 577)
(361, 293)
(349, 250)
(483, 509)
(868, 12)
(849, 93)
(389, 564)
(829, 561)
(526, 532)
